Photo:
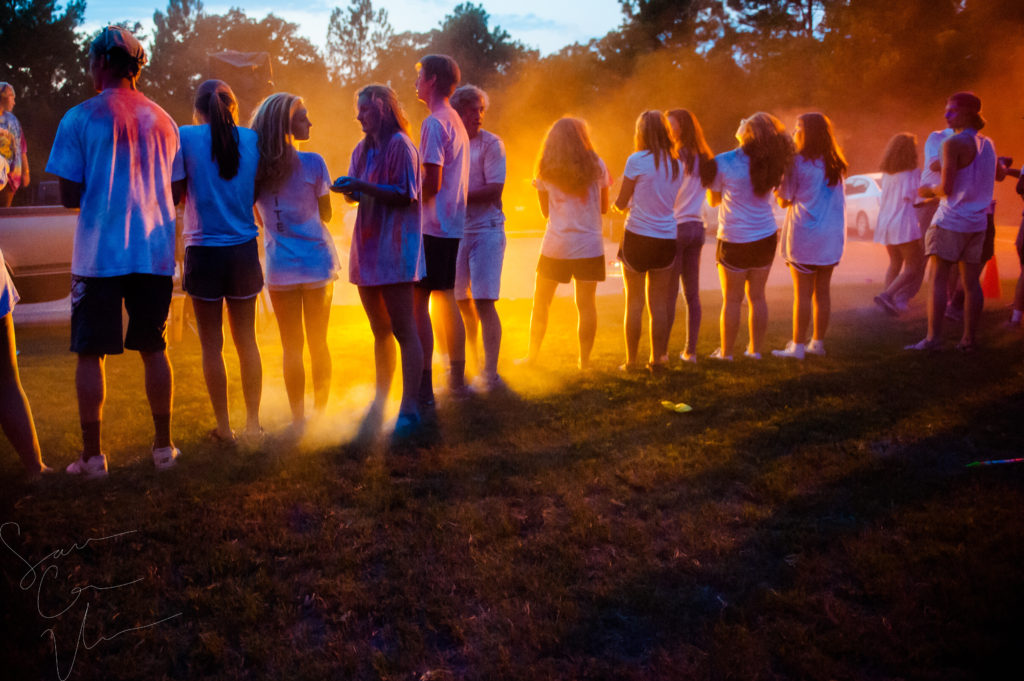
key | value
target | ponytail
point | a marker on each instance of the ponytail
(217, 105)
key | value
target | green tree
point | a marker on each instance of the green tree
(485, 54)
(356, 36)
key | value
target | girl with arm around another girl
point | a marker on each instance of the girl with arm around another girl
(698, 172)
(222, 261)
(813, 236)
(294, 203)
(650, 184)
(572, 188)
(747, 233)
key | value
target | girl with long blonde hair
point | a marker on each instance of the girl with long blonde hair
(572, 188)
(814, 234)
(650, 184)
(294, 204)
(747, 231)
(898, 228)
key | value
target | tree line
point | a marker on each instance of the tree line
(875, 66)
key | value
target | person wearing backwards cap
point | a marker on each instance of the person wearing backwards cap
(118, 157)
(957, 232)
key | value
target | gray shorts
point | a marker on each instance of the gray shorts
(478, 268)
(954, 246)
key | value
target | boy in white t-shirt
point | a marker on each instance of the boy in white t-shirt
(482, 248)
(444, 152)
(117, 156)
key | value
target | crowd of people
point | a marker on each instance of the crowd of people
(429, 238)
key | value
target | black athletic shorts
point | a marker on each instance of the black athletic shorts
(563, 270)
(645, 253)
(442, 256)
(747, 256)
(96, 313)
(216, 272)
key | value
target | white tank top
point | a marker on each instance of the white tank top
(965, 208)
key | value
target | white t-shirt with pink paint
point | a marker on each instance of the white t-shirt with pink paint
(125, 152)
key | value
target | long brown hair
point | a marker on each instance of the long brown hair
(567, 158)
(818, 141)
(900, 154)
(216, 106)
(692, 148)
(273, 125)
(393, 118)
(652, 134)
(764, 140)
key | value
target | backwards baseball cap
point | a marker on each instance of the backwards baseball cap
(967, 101)
(119, 38)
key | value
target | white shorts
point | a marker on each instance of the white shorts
(478, 269)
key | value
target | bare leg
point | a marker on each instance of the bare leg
(974, 300)
(15, 411)
(242, 318)
(490, 326)
(906, 285)
(90, 385)
(316, 309)
(803, 285)
(399, 301)
(822, 301)
(632, 321)
(758, 315)
(372, 298)
(288, 310)
(895, 264)
(424, 329)
(471, 323)
(543, 294)
(159, 391)
(209, 322)
(586, 307)
(937, 294)
(447, 315)
(691, 292)
(659, 282)
(732, 300)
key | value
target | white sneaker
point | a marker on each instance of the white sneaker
(794, 350)
(92, 468)
(165, 457)
(816, 347)
(692, 359)
(751, 355)
(717, 354)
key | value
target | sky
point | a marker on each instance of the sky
(542, 24)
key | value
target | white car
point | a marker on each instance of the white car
(863, 198)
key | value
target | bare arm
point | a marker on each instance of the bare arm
(431, 180)
(625, 194)
(178, 189)
(605, 200)
(714, 198)
(388, 194)
(324, 204)
(542, 198)
(70, 193)
(489, 193)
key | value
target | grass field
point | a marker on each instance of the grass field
(808, 520)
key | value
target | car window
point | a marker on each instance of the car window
(856, 187)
